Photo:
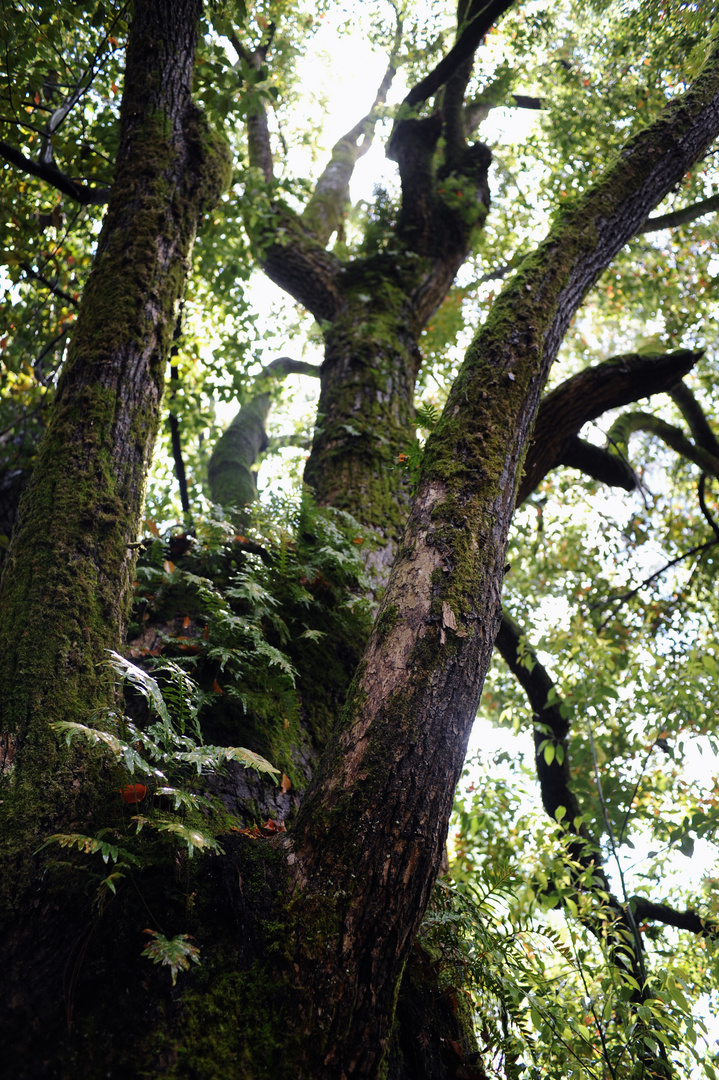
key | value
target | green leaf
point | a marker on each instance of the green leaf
(175, 953)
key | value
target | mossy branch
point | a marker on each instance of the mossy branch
(609, 385)
(230, 474)
(674, 437)
(324, 212)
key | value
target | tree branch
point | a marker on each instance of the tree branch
(258, 132)
(680, 217)
(477, 111)
(599, 463)
(465, 47)
(564, 410)
(49, 172)
(645, 911)
(617, 601)
(302, 267)
(711, 522)
(324, 211)
(673, 436)
(229, 471)
(693, 413)
(54, 289)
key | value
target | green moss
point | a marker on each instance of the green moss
(386, 620)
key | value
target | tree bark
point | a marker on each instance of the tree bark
(369, 837)
(68, 576)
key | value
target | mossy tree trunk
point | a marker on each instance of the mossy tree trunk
(67, 579)
(340, 897)
(361, 860)
(367, 845)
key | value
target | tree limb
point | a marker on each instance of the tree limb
(710, 520)
(599, 463)
(231, 478)
(465, 46)
(49, 172)
(673, 436)
(680, 217)
(564, 410)
(54, 289)
(693, 413)
(301, 266)
(645, 910)
(324, 211)
(258, 132)
(477, 110)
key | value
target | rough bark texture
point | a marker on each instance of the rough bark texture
(368, 841)
(309, 934)
(565, 410)
(68, 575)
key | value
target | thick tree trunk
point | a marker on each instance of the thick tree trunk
(366, 408)
(368, 841)
(67, 579)
(306, 937)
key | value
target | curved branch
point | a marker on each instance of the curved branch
(539, 687)
(599, 463)
(551, 729)
(229, 472)
(708, 517)
(693, 413)
(49, 172)
(302, 267)
(465, 47)
(564, 410)
(323, 214)
(680, 217)
(673, 436)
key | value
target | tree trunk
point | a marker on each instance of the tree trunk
(68, 575)
(304, 937)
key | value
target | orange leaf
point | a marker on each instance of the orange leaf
(206, 632)
(152, 527)
(186, 622)
(217, 688)
(271, 826)
(286, 783)
(169, 566)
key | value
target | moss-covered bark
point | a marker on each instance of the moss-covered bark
(307, 935)
(68, 574)
(368, 841)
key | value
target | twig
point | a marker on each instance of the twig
(619, 600)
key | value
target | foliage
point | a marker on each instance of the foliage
(256, 617)
(171, 757)
(175, 953)
(254, 632)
